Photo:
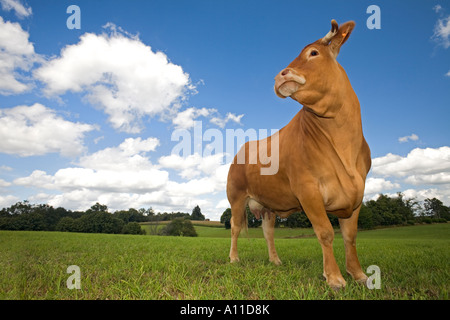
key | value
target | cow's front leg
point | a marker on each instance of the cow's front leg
(349, 228)
(268, 224)
(315, 211)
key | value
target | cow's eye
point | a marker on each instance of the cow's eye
(314, 53)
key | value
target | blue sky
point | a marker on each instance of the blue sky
(88, 114)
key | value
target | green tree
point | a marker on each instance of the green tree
(66, 224)
(252, 222)
(179, 227)
(124, 215)
(131, 215)
(97, 207)
(132, 228)
(31, 221)
(405, 208)
(150, 213)
(436, 209)
(226, 218)
(365, 219)
(298, 220)
(388, 211)
(99, 222)
(197, 214)
(334, 220)
(384, 211)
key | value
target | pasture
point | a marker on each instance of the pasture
(413, 262)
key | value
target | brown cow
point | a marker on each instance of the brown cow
(323, 158)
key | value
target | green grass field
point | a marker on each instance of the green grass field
(414, 264)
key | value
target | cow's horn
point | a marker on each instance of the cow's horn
(331, 33)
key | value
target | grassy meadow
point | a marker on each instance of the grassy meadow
(414, 264)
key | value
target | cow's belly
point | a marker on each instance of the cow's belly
(274, 193)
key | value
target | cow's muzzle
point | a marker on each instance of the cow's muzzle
(288, 82)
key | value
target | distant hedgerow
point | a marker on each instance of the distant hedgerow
(179, 227)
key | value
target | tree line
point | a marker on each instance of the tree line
(97, 219)
(179, 225)
(384, 211)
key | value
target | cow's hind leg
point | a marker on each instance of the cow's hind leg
(349, 227)
(238, 220)
(268, 224)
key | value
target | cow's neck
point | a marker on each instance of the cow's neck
(341, 128)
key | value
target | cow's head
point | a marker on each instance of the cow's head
(315, 73)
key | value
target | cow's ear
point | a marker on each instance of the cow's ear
(341, 36)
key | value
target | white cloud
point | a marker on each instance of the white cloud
(447, 74)
(191, 188)
(412, 137)
(38, 178)
(120, 75)
(442, 32)
(193, 165)
(223, 204)
(221, 122)
(418, 162)
(129, 155)
(428, 170)
(437, 8)
(422, 194)
(379, 185)
(121, 177)
(385, 160)
(110, 181)
(124, 177)
(205, 183)
(38, 130)
(80, 199)
(120, 169)
(4, 183)
(185, 119)
(436, 178)
(206, 180)
(7, 201)
(20, 10)
(16, 53)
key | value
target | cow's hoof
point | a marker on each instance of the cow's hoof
(336, 283)
(234, 260)
(361, 279)
(359, 276)
(276, 261)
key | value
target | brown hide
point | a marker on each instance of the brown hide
(322, 154)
